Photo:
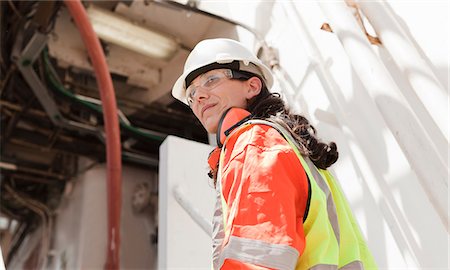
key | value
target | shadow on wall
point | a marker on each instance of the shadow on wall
(369, 135)
(366, 136)
(440, 72)
(400, 78)
(420, 227)
(414, 228)
(402, 206)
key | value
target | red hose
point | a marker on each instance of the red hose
(113, 146)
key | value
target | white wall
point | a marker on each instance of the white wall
(182, 243)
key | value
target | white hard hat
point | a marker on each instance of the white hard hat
(218, 53)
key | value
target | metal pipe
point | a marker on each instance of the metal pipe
(40, 172)
(12, 123)
(16, 107)
(193, 212)
(18, 238)
(42, 212)
(113, 147)
(8, 166)
(409, 133)
(24, 63)
(34, 179)
(430, 95)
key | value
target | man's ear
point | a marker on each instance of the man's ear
(254, 87)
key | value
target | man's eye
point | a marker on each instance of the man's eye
(211, 80)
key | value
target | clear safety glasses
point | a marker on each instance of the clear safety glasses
(211, 80)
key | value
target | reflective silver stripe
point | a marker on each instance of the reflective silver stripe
(218, 233)
(258, 252)
(331, 207)
(355, 265)
(324, 267)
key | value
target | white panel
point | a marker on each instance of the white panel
(93, 219)
(138, 251)
(182, 244)
(80, 234)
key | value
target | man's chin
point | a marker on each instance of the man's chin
(210, 128)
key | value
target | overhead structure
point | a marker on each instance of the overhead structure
(116, 29)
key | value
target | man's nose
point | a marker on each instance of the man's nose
(200, 94)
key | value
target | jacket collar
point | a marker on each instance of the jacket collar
(231, 119)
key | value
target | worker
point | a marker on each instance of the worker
(277, 205)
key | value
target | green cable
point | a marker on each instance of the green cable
(61, 89)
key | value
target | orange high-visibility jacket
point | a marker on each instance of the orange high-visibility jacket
(265, 213)
(271, 201)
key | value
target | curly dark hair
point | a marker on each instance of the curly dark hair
(271, 107)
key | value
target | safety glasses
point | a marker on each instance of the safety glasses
(212, 79)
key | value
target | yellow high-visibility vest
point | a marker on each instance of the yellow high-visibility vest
(333, 238)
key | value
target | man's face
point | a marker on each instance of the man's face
(212, 93)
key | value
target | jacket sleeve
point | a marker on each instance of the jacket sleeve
(265, 190)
